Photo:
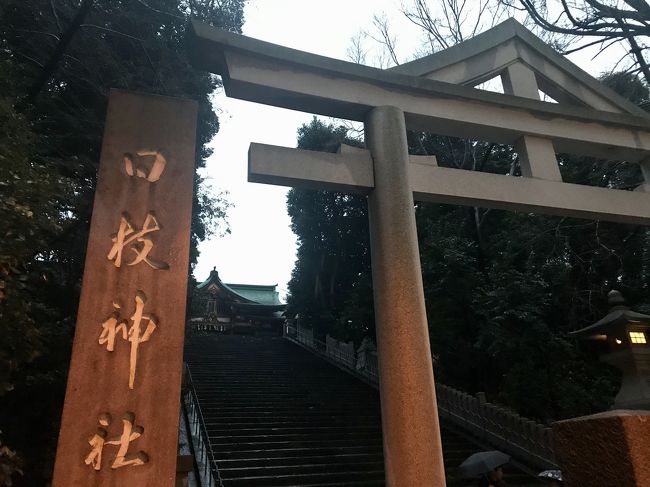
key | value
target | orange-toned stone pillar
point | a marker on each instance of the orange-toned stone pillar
(120, 417)
(412, 446)
(604, 450)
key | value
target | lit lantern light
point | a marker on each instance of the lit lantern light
(626, 335)
(637, 337)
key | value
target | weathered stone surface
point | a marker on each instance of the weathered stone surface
(266, 73)
(412, 446)
(138, 382)
(353, 173)
(604, 450)
(483, 56)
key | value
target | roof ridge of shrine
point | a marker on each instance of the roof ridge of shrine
(271, 293)
(252, 286)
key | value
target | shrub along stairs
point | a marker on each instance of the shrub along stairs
(277, 415)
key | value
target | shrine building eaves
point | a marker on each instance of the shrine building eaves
(249, 294)
(262, 294)
(266, 73)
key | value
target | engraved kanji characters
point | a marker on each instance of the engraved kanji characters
(130, 432)
(142, 324)
(111, 327)
(114, 327)
(128, 236)
(151, 174)
(97, 441)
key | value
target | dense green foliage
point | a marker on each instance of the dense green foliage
(330, 283)
(58, 61)
(502, 289)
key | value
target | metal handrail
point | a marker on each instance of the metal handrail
(208, 471)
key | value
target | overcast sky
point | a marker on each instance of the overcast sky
(261, 248)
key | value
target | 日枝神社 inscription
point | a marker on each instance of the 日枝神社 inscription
(127, 353)
(130, 432)
(127, 236)
(139, 332)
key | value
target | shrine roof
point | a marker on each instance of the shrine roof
(262, 294)
(249, 294)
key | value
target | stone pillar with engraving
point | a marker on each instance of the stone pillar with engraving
(120, 417)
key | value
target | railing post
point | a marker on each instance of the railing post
(475, 414)
(481, 398)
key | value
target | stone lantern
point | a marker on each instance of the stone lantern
(626, 334)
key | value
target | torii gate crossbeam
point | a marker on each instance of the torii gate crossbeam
(388, 103)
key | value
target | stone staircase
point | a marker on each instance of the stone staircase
(277, 415)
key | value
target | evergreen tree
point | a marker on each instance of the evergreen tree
(58, 61)
(502, 289)
(330, 284)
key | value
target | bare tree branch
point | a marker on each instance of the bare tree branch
(380, 24)
(594, 18)
(355, 51)
(456, 21)
(145, 4)
(55, 15)
(61, 47)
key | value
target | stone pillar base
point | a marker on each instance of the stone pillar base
(604, 450)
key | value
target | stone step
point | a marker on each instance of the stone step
(312, 444)
(307, 429)
(279, 416)
(302, 438)
(224, 454)
(299, 469)
(306, 410)
(288, 422)
(303, 460)
(304, 479)
(361, 483)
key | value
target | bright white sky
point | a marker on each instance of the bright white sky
(261, 248)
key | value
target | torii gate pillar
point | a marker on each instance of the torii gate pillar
(412, 446)
(429, 95)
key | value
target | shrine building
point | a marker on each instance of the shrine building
(236, 308)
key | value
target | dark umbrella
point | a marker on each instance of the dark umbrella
(483, 462)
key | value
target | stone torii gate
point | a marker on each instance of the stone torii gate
(434, 94)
